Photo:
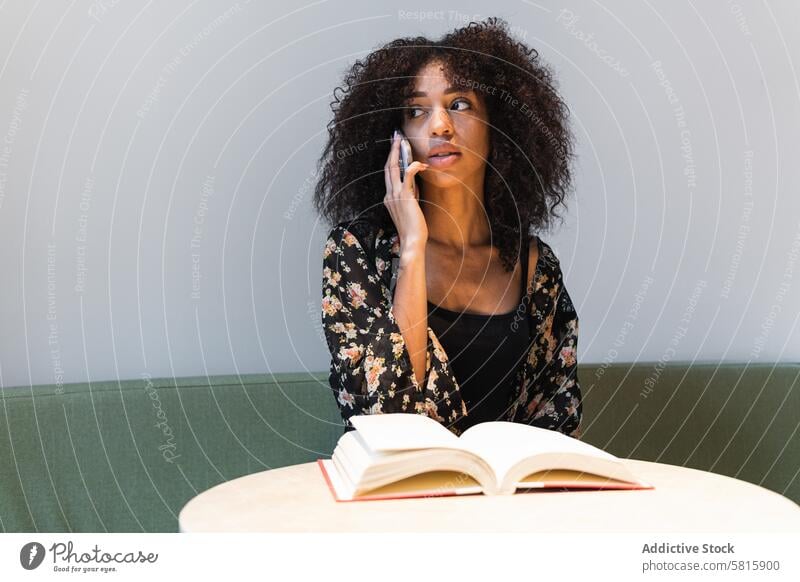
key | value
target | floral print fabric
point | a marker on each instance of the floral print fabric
(371, 371)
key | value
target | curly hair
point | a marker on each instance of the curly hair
(531, 145)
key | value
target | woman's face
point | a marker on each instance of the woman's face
(439, 115)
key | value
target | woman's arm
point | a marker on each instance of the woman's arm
(411, 307)
(371, 367)
(410, 301)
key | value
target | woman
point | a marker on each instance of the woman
(436, 298)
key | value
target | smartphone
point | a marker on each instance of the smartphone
(405, 154)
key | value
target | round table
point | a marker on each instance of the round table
(297, 499)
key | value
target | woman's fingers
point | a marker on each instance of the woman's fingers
(394, 163)
(394, 154)
(386, 177)
(414, 169)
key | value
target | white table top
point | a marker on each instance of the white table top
(297, 499)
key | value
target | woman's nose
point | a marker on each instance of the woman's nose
(441, 123)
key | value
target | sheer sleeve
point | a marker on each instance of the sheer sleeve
(554, 388)
(371, 370)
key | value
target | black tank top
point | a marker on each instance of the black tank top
(485, 352)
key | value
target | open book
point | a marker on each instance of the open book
(397, 455)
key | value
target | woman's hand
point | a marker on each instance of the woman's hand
(402, 199)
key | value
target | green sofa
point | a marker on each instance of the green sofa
(126, 456)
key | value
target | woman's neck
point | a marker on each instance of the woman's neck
(456, 216)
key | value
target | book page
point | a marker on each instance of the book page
(401, 431)
(573, 478)
(503, 444)
(430, 484)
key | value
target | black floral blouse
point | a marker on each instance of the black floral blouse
(371, 369)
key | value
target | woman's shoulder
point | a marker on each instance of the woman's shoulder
(364, 244)
(374, 238)
(547, 259)
(551, 278)
(363, 230)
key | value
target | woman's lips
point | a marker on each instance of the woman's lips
(444, 161)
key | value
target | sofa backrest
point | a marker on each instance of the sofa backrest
(126, 456)
(733, 419)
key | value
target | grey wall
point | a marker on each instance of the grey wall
(156, 164)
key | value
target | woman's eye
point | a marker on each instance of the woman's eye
(458, 105)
